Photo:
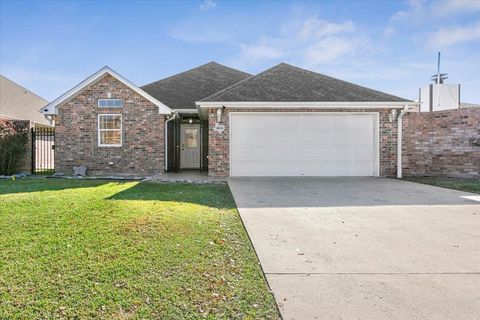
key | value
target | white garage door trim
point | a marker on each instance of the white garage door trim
(376, 132)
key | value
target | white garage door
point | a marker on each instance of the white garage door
(303, 144)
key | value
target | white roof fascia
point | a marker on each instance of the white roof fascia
(202, 106)
(305, 104)
(188, 111)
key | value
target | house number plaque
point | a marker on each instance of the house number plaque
(219, 128)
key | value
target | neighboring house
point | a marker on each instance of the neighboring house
(18, 103)
(285, 121)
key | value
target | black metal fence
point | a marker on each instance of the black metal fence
(43, 145)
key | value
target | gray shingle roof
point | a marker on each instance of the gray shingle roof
(180, 91)
(287, 83)
(16, 102)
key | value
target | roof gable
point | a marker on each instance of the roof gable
(182, 90)
(52, 107)
(287, 83)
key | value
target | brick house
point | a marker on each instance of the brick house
(285, 121)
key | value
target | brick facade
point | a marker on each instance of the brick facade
(76, 140)
(440, 143)
(218, 143)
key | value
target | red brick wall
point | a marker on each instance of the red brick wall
(437, 143)
(218, 143)
(142, 150)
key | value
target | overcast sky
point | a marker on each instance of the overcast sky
(49, 47)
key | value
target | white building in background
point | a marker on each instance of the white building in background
(439, 96)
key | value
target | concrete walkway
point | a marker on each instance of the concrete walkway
(364, 248)
(187, 176)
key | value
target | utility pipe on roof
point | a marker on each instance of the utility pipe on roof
(400, 141)
(166, 141)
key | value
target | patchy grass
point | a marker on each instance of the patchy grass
(108, 250)
(469, 185)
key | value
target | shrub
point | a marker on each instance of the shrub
(13, 145)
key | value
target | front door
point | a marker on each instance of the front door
(189, 146)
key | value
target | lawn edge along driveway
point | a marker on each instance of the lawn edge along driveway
(106, 249)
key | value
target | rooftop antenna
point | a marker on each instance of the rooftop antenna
(438, 78)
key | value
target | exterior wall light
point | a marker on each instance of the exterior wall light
(219, 115)
(393, 115)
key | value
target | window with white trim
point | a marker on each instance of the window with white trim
(110, 103)
(109, 130)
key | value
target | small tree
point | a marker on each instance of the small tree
(13, 146)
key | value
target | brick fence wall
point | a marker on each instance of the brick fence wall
(218, 143)
(441, 143)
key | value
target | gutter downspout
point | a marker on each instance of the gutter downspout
(49, 119)
(400, 141)
(166, 141)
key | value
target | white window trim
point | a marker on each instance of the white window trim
(105, 99)
(99, 130)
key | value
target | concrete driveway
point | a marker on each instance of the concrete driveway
(364, 248)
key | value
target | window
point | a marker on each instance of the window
(110, 103)
(191, 138)
(109, 130)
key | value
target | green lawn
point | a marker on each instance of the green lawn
(111, 250)
(469, 185)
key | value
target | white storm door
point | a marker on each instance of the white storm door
(190, 146)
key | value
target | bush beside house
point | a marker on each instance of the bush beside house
(14, 141)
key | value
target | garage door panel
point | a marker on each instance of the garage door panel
(323, 168)
(281, 138)
(362, 137)
(289, 153)
(309, 123)
(245, 139)
(323, 153)
(281, 121)
(251, 124)
(357, 154)
(293, 144)
(318, 138)
(261, 137)
(264, 168)
(325, 122)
